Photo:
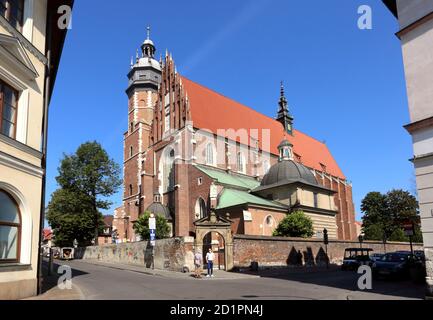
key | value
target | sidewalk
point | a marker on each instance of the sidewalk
(53, 292)
(219, 274)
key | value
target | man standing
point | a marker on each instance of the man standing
(210, 257)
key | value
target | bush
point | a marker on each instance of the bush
(141, 227)
(296, 225)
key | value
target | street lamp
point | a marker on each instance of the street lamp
(361, 240)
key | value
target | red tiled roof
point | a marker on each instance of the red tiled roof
(213, 111)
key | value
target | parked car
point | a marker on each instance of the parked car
(356, 257)
(376, 256)
(394, 265)
(419, 254)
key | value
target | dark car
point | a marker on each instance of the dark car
(356, 257)
(394, 265)
(376, 256)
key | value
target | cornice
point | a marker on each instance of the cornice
(26, 43)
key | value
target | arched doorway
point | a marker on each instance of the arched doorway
(215, 232)
(214, 241)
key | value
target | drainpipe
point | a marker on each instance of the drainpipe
(44, 148)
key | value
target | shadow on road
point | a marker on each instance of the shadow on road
(50, 281)
(334, 277)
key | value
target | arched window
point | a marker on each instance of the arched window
(269, 221)
(168, 173)
(210, 154)
(200, 209)
(241, 163)
(130, 190)
(10, 229)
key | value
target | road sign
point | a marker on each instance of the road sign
(152, 233)
(409, 229)
(152, 223)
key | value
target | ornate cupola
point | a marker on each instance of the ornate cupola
(284, 115)
(148, 48)
(286, 150)
(145, 73)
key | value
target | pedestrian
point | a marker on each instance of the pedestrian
(198, 263)
(210, 257)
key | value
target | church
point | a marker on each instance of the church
(189, 150)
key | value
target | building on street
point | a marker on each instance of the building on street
(30, 49)
(189, 149)
(415, 18)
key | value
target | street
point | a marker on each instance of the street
(98, 282)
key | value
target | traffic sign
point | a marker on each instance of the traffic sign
(152, 223)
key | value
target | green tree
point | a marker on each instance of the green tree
(296, 225)
(70, 216)
(141, 227)
(384, 214)
(85, 178)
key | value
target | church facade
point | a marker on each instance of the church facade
(189, 150)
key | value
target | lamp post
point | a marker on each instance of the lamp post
(361, 240)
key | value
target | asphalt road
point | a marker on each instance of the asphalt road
(103, 283)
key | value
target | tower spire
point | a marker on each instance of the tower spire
(148, 48)
(284, 115)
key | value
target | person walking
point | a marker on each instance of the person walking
(210, 257)
(198, 263)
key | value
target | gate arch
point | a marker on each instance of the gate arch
(217, 224)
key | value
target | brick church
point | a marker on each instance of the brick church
(189, 150)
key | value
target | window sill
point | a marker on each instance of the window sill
(10, 267)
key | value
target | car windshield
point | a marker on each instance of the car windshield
(394, 257)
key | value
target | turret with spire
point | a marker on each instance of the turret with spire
(145, 73)
(284, 115)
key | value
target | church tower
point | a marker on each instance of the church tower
(284, 115)
(144, 81)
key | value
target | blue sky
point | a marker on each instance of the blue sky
(344, 85)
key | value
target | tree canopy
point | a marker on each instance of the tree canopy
(384, 214)
(85, 179)
(296, 225)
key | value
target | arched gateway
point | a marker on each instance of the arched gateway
(216, 224)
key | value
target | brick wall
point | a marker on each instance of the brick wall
(273, 251)
(170, 254)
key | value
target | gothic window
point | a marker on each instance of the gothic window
(130, 190)
(10, 229)
(8, 110)
(131, 151)
(13, 11)
(210, 154)
(131, 126)
(241, 165)
(200, 209)
(168, 170)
